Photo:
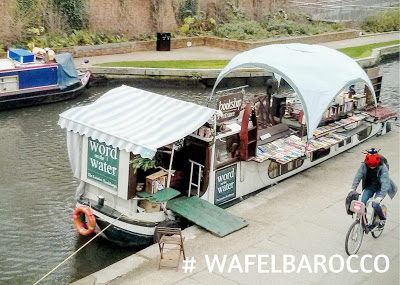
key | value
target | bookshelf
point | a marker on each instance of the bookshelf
(248, 134)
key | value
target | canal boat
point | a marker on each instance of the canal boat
(26, 79)
(144, 159)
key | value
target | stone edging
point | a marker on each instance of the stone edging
(132, 72)
(377, 54)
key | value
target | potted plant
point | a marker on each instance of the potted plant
(144, 164)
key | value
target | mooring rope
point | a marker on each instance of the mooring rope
(65, 260)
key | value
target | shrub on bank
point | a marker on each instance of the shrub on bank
(272, 28)
(383, 21)
(230, 22)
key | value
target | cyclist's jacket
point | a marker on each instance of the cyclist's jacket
(385, 184)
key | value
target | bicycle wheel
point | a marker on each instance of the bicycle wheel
(354, 238)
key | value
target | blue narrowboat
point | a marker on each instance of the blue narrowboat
(26, 80)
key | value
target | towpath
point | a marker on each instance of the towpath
(210, 53)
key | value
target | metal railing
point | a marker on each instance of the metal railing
(343, 10)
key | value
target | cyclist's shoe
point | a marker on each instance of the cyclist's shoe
(381, 224)
(371, 227)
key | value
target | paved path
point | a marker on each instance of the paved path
(303, 215)
(209, 53)
(364, 40)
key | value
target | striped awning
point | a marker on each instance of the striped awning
(135, 120)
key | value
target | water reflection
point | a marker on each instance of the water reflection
(37, 189)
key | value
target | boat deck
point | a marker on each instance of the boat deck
(6, 63)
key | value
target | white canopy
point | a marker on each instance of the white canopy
(316, 73)
(135, 120)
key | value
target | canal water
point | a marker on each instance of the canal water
(37, 190)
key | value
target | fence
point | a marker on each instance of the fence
(343, 10)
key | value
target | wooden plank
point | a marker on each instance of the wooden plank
(276, 132)
(206, 215)
(160, 196)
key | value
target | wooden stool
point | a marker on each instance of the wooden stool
(170, 236)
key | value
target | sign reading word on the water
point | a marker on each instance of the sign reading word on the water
(102, 164)
(229, 105)
(225, 184)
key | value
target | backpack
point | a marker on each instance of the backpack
(353, 195)
(384, 160)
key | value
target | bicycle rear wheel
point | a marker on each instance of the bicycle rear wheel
(354, 238)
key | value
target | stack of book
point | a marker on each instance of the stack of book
(291, 148)
(282, 150)
(350, 122)
(325, 141)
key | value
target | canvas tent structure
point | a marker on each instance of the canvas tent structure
(135, 120)
(316, 73)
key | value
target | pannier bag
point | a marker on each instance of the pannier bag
(353, 195)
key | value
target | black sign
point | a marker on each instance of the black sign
(225, 184)
(229, 105)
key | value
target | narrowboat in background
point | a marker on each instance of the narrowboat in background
(27, 80)
(144, 159)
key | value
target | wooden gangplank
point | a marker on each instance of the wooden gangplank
(206, 215)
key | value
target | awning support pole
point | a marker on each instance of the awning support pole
(170, 165)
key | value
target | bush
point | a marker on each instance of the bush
(244, 30)
(383, 21)
(274, 26)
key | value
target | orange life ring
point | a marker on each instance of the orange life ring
(84, 228)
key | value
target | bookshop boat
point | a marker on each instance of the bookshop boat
(26, 80)
(145, 159)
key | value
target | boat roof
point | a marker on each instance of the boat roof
(5, 64)
(317, 74)
(136, 120)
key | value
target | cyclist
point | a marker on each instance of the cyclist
(375, 179)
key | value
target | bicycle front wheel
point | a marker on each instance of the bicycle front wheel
(354, 238)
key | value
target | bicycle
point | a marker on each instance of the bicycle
(361, 226)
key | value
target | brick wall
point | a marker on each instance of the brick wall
(6, 19)
(133, 17)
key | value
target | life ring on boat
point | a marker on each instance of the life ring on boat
(84, 226)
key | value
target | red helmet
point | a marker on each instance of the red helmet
(372, 158)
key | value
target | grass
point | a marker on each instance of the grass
(365, 51)
(353, 52)
(180, 64)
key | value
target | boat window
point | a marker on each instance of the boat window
(364, 133)
(227, 150)
(320, 153)
(343, 143)
(276, 169)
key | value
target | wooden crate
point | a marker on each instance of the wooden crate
(150, 207)
(155, 180)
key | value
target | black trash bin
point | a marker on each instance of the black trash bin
(163, 41)
(278, 105)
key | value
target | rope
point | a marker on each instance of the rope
(65, 260)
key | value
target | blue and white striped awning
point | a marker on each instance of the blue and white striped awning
(135, 120)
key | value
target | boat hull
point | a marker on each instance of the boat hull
(121, 236)
(122, 231)
(38, 96)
